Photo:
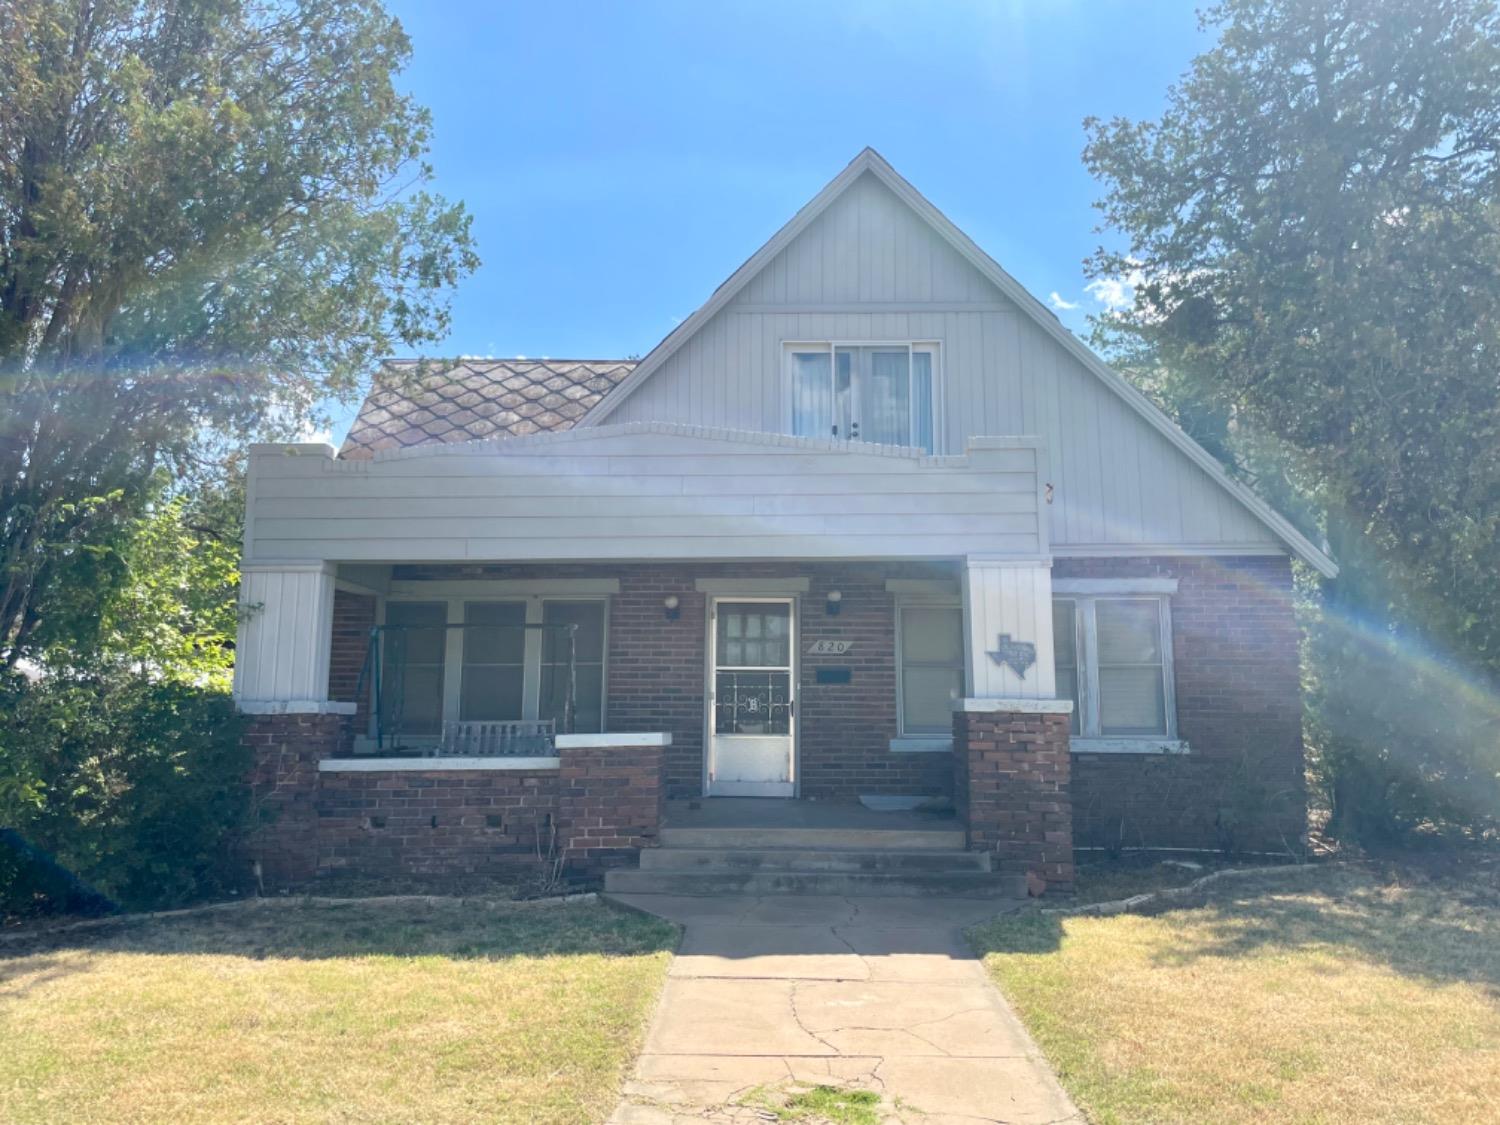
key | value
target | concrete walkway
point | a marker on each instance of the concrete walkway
(777, 993)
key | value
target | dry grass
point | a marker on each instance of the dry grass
(1104, 880)
(450, 1013)
(1333, 996)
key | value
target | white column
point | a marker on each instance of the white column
(1007, 606)
(285, 632)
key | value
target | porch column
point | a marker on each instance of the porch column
(285, 634)
(1010, 735)
(281, 682)
(1008, 628)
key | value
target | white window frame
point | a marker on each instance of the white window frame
(918, 742)
(934, 348)
(455, 595)
(1085, 600)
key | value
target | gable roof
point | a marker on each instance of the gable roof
(472, 399)
(871, 162)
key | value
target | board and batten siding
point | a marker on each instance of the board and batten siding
(868, 268)
(645, 492)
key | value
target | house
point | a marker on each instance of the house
(870, 528)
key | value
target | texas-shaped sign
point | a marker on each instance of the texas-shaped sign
(1015, 655)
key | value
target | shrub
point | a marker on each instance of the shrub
(135, 785)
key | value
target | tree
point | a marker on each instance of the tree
(158, 597)
(1315, 225)
(211, 218)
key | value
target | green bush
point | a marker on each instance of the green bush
(137, 786)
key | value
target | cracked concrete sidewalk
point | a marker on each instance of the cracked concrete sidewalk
(874, 993)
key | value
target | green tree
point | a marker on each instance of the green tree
(159, 598)
(1312, 223)
(212, 217)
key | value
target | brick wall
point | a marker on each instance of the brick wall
(596, 809)
(434, 822)
(1242, 786)
(1235, 649)
(610, 804)
(353, 617)
(657, 669)
(1013, 786)
(285, 752)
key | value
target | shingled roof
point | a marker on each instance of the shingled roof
(473, 399)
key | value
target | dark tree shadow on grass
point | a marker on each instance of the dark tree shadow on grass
(1431, 933)
(1438, 931)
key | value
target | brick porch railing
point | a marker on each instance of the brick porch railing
(596, 803)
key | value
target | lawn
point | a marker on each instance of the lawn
(454, 1012)
(1328, 996)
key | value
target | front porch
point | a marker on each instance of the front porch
(779, 617)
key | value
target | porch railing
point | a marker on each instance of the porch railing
(498, 739)
(383, 674)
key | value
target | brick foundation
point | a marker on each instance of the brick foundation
(1012, 770)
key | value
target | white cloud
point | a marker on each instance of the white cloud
(309, 433)
(1059, 303)
(1115, 293)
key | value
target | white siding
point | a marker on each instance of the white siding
(868, 268)
(282, 649)
(650, 492)
(1014, 602)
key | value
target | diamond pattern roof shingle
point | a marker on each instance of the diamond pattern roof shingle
(476, 399)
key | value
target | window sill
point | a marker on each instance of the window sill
(435, 765)
(1129, 746)
(922, 744)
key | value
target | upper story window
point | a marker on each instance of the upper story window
(883, 393)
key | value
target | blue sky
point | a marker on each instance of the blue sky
(622, 159)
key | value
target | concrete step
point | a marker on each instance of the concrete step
(963, 884)
(818, 839)
(676, 858)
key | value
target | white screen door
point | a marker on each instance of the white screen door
(751, 704)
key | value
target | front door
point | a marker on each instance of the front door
(752, 698)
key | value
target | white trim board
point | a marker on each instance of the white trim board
(1019, 706)
(751, 587)
(454, 762)
(1114, 585)
(871, 161)
(551, 588)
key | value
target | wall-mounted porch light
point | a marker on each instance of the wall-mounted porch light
(671, 606)
(835, 600)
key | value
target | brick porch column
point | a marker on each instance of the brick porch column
(287, 741)
(1011, 762)
(610, 797)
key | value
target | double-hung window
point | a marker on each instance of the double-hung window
(480, 659)
(931, 666)
(1113, 658)
(884, 393)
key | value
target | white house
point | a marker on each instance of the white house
(869, 524)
